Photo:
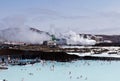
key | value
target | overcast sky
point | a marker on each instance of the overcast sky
(83, 16)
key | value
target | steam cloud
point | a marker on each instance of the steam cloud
(24, 35)
(18, 32)
(28, 36)
(74, 38)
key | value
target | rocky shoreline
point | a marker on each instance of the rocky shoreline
(99, 58)
(61, 56)
(22, 54)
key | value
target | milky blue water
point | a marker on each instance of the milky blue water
(81, 70)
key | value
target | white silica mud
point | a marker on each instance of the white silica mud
(81, 70)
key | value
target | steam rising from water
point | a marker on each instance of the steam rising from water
(24, 35)
(74, 38)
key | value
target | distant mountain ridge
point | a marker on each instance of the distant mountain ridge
(112, 38)
(39, 31)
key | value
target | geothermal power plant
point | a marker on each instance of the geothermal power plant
(32, 43)
(34, 36)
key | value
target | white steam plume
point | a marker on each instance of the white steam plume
(74, 39)
(24, 35)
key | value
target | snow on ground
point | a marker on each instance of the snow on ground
(110, 48)
(95, 55)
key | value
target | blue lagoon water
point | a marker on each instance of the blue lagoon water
(81, 70)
